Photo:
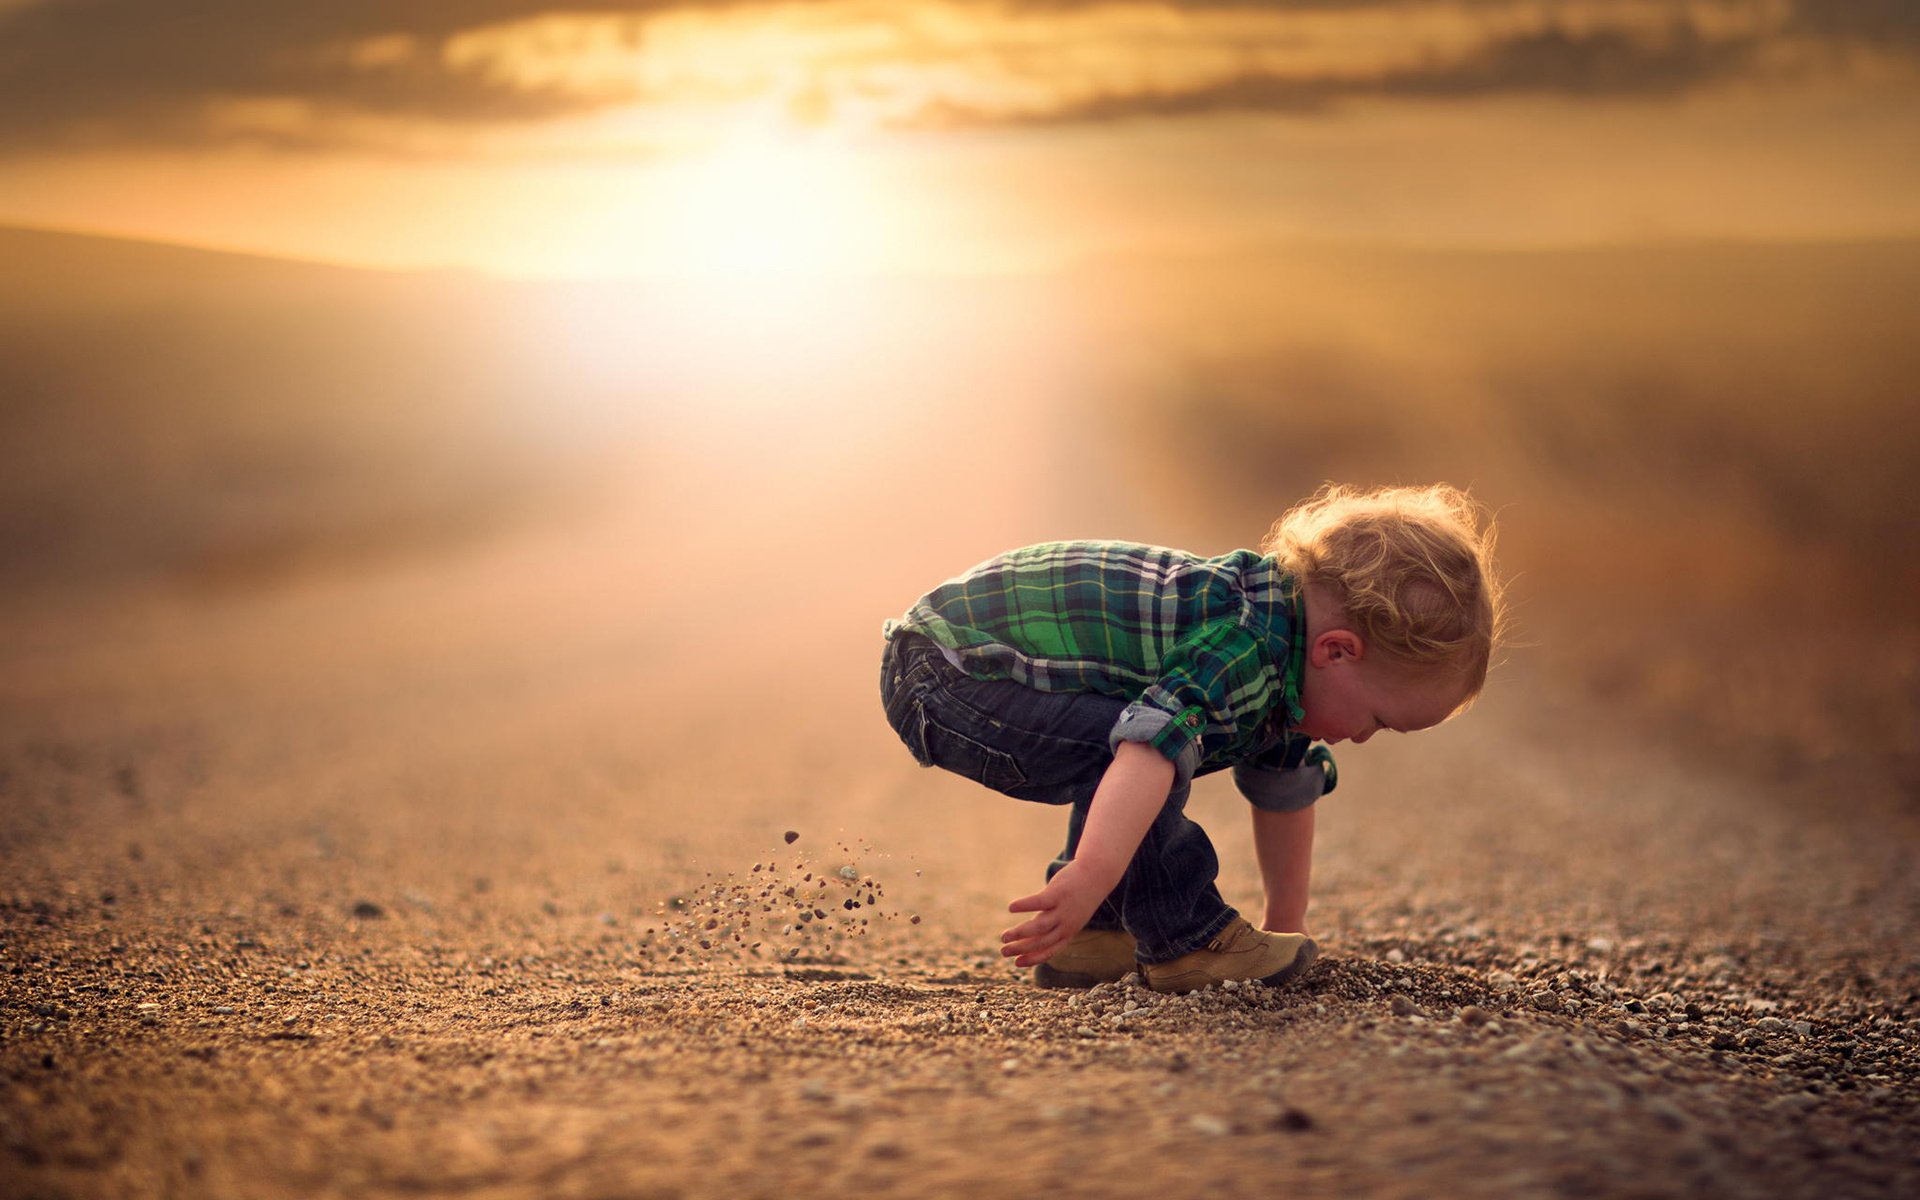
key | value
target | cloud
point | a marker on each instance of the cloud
(415, 76)
(1602, 63)
(1868, 21)
(116, 72)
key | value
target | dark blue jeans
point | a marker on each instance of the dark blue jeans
(1051, 748)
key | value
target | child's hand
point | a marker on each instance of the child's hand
(1062, 909)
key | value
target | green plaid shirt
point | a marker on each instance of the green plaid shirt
(1205, 648)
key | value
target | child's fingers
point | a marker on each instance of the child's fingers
(1035, 941)
(1043, 923)
(1034, 903)
(1029, 951)
(1038, 951)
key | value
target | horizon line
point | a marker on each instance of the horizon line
(1067, 267)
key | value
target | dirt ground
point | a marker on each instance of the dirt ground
(468, 875)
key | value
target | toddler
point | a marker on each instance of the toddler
(1106, 675)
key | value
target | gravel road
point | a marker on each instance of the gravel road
(362, 886)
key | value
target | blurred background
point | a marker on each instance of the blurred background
(395, 374)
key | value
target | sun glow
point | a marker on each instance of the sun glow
(765, 209)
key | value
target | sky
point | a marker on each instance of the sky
(606, 137)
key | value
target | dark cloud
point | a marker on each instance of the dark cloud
(145, 72)
(132, 71)
(1592, 65)
(1877, 22)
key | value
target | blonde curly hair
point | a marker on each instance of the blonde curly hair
(1411, 567)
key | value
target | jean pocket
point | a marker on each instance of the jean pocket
(955, 751)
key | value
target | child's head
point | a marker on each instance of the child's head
(1404, 606)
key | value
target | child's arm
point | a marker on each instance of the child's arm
(1283, 842)
(1129, 797)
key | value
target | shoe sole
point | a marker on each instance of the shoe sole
(1295, 969)
(1047, 975)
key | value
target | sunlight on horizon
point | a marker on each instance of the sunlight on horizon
(759, 151)
(762, 208)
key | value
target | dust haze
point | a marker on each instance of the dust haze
(381, 655)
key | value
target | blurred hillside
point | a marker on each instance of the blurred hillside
(1700, 454)
(217, 418)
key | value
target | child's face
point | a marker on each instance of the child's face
(1349, 697)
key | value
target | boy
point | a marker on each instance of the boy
(1106, 675)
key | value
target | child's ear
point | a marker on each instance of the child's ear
(1336, 645)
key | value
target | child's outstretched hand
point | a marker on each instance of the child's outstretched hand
(1130, 793)
(1061, 910)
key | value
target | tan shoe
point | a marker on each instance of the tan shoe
(1089, 957)
(1238, 952)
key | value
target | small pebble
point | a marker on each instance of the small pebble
(792, 836)
(1208, 1125)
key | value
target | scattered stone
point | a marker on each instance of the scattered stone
(367, 910)
(792, 836)
(1403, 1007)
(1208, 1125)
(1473, 1014)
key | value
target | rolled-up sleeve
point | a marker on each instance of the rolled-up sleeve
(1141, 722)
(1287, 778)
(1209, 685)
